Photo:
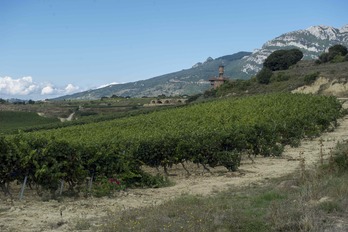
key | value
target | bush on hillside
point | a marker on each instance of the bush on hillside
(209, 93)
(194, 97)
(264, 76)
(236, 85)
(337, 50)
(310, 78)
(337, 53)
(340, 158)
(338, 59)
(282, 59)
(281, 76)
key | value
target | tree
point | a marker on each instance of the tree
(336, 53)
(337, 49)
(264, 76)
(323, 58)
(282, 59)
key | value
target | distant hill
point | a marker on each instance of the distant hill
(312, 42)
(185, 82)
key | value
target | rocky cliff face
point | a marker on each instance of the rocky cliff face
(312, 42)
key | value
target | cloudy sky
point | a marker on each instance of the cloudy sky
(56, 47)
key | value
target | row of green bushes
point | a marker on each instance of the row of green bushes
(211, 134)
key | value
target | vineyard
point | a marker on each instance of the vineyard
(211, 134)
(11, 121)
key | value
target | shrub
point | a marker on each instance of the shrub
(338, 59)
(323, 58)
(281, 76)
(194, 97)
(264, 76)
(337, 53)
(210, 93)
(341, 157)
(242, 85)
(106, 186)
(337, 50)
(237, 85)
(228, 159)
(310, 78)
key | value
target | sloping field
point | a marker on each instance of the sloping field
(11, 120)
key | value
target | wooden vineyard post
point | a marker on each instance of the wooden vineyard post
(61, 187)
(22, 188)
(90, 182)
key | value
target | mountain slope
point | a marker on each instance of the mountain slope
(312, 42)
(188, 81)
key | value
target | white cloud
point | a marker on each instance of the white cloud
(70, 88)
(47, 90)
(25, 87)
(21, 86)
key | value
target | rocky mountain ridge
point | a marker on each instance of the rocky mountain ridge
(312, 42)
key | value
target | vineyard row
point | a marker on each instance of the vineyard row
(211, 134)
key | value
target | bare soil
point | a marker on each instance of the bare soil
(34, 214)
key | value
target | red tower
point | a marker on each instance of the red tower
(217, 81)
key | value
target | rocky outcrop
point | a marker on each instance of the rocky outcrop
(312, 42)
(325, 86)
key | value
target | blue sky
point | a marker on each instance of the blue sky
(55, 47)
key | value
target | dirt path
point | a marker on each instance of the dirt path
(32, 214)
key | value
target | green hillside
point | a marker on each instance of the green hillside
(185, 82)
(12, 121)
(305, 72)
